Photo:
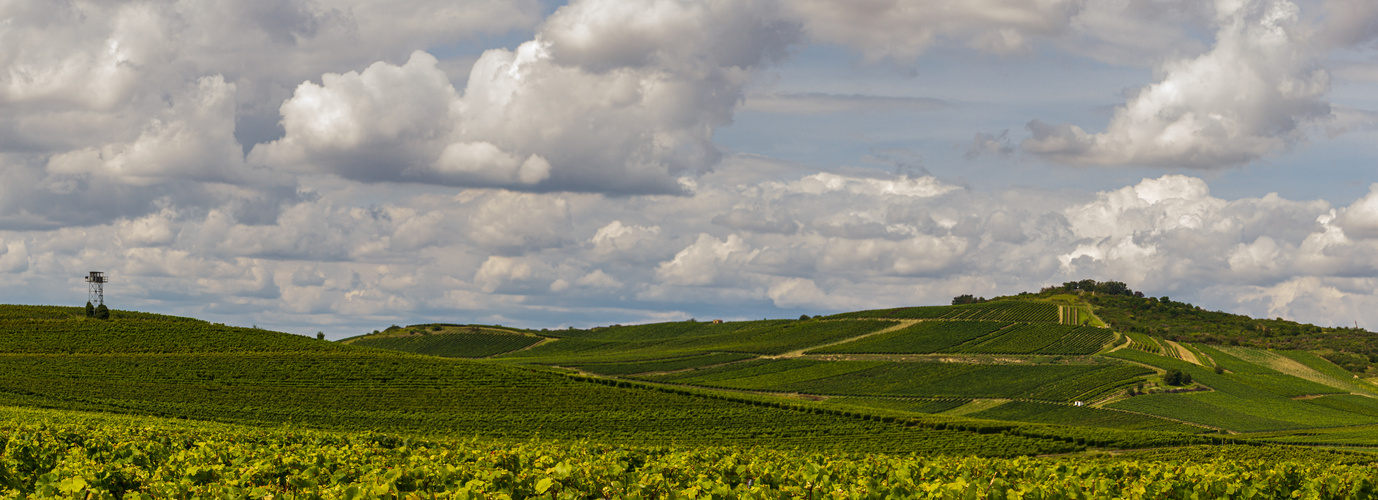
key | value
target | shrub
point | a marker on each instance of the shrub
(1173, 377)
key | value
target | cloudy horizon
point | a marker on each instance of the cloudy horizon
(345, 165)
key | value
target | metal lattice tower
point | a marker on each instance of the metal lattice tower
(97, 283)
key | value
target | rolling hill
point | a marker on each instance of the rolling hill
(770, 408)
(183, 368)
(1033, 358)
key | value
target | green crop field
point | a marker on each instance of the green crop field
(1083, 340)
(1088, 386)
(769, 375)
(66, 330)
(334, 386)
(1031, 411)
(749, 409)
(1257, 400)
(451, 344)
(1029, 338)
(914, 379)
(921, 338)
(91, 456)
(901, 405)
(662, 365)
(1022, 338)
(995, 311)
(364, 391)
(1232, 363)
(1320, 365)
(1355, 437)
(647, 342)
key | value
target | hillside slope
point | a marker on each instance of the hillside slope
(1124, 310)
(1029, 358)
(67, 330)
(448, 341)
(177, 367)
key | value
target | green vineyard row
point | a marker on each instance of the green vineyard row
(47, 454)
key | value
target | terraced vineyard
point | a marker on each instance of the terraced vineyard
(1143, 343)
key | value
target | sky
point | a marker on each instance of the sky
(340, 166)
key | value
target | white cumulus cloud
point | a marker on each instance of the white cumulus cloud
(1248, 97)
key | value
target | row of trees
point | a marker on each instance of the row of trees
(1083, 286)
(1093, 286)
(967, 299)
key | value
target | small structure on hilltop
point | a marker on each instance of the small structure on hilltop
(97, 288)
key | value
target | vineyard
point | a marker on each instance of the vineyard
(922, 338)
(1089, 386)
(979, 337)
(990, 311)
(1250, 398)
(623, 344)
(81, 335)
(899, 405)
(414, 395)
(1084, 340)
(463, 342)
(910, 402)
(1143, 343)
(1025, 338)
(913, 379)
(661, 365)
(74, 455)
(1030, 411)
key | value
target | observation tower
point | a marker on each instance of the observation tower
(97, 283)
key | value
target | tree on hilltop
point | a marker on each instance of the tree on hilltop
(967, 299)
